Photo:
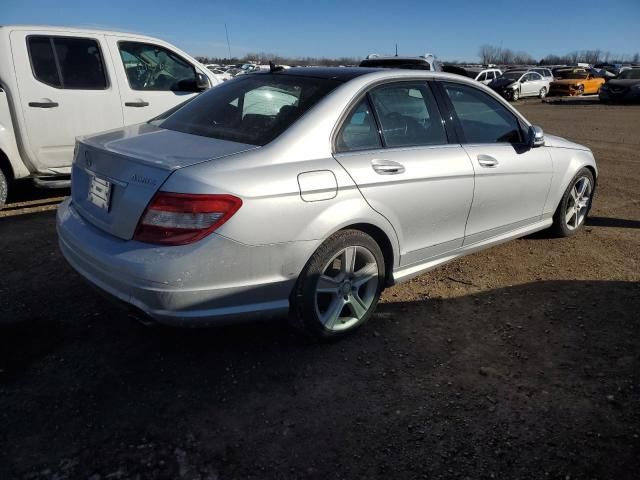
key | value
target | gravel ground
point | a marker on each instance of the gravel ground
(522, 361)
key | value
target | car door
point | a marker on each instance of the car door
(66, 89)
(153, 78)
(394, 146)
(512, 180)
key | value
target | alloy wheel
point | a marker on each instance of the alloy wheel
(578, 203)
(346, 288)
(543, 92)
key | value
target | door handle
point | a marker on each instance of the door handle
(487, 161)
(136, 104)
(387, 167)
(43, 104)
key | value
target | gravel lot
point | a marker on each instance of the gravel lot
(518, 362)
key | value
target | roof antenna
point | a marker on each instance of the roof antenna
(274, 68)
(396, 49)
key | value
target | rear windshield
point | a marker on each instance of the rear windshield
(254, 109)
(396, 63)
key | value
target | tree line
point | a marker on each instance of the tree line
(505, 56)
(487, 53)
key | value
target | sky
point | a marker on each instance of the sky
(452, 30)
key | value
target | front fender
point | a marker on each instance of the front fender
(8, 144)
(566, 163)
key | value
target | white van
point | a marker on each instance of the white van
(58, 83)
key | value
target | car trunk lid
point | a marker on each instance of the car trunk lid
(116, 174)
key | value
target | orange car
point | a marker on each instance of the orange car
(575, 82)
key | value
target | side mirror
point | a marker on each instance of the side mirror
(202, 81)
(537, 137)
(523, 80)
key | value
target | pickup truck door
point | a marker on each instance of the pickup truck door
(153, 77)
(66, 88)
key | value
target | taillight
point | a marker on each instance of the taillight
(182, 218)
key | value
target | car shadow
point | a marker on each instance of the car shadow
(612, 222)
(542, 360)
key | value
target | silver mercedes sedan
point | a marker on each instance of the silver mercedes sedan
(308, 191)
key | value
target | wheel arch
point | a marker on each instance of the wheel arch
(5, 166)
(383, 241)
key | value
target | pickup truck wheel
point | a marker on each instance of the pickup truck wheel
(4, 188)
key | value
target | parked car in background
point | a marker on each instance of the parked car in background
(515, 84)
(427, 62)
(546, 73)
(315, 202)
(57, 83)
(575, 81)
(482, 75)
(625, 88)
(220, 73)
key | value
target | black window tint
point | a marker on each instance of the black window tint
(359, 131)
(43, 62)
(408, 115)
(483, 119)
(76, 63)
(150, 67)
(80, 63)
(252, 109)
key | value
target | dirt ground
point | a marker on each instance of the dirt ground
(519, 362)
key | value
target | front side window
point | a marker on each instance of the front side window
(252, 109)
(151, 67)
(67, 62)
(408, 115)
(482, 118)
(359, 131)
(482, 77)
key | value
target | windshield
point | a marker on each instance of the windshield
(253, 109)
(512, 75)
(633, 74)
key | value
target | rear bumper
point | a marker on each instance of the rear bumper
(216, 280)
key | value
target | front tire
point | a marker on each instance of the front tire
(340, 286)
(4, 189)
(515, 95)
(575, 204)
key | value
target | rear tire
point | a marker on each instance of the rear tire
(575, 204)
(4, 189)
(340, 286)
(543, 92)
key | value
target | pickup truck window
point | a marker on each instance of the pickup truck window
(67, 62)
(150, 67)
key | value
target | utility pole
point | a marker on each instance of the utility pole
(396, 49)
(228, 44)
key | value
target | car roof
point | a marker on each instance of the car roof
(334, 73)
(82, 30)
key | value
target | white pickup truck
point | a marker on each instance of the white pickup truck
(58, 83)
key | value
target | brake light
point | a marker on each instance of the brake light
(182, 218)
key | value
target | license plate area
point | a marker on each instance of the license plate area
(100, 192)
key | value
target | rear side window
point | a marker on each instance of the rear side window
(67, 62)
(252, 109)
(359, 131)
(408, 115)
(482, 118)
(151, 67)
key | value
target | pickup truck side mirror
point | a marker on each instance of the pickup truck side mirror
(202, 81)
(536, 136)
